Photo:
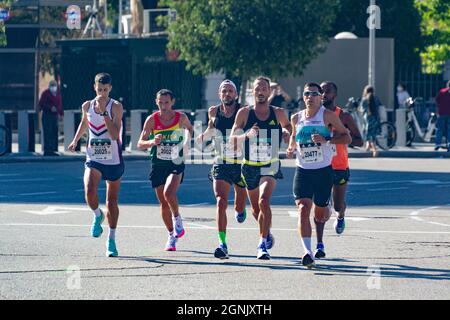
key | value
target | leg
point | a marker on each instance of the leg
(92, 179)
(339, 192)
(439, 129)
(221, 190)
(253, 196)
(304, 224)
(165, 209)
(321, 216)
(239, 199)
(265, 192)
(112, 197)
(170, 192)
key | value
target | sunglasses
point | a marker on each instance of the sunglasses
(311, 93)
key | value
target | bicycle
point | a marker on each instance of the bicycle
(387, 136)
(413, 127)
(4, 140)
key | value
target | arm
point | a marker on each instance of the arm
(348, 122)
(341, 136)
(284, 122)
(144, 143)
(237, 135)
(292, 144)
(81, 127)
(114, 123)
(210, 130)
(186, 124)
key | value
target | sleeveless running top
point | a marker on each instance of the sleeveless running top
(312, 155)
(101, 148)
(225, 152)
(263, 149)
(340, 159)
(170, 150)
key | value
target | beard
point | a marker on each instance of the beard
(228, 102)
(261, 99)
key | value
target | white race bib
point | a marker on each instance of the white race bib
(228, 151)
(101, 149)
(311, 154)
(261, 152)
(167, 151)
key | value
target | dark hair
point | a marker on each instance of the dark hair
(330, 84)
(165, 92)
(313, 84)
(103, 78)
(262, 78)
(367, 90)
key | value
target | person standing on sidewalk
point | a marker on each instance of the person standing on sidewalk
(370, 106)
(443, 111)
(339, 163)
(50, 104)
(103, 117)
(226, 170)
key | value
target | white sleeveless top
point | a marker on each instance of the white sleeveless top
(101, 148)
(311, 155)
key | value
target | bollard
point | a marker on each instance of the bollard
(400, 124)
(6, 120)
(26, 131)
(137, 121)
(72, 119)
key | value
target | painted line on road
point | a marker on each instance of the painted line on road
(294, 214)
(388, 189)
(203, 228)
(415, 216)
(196, 204)
(10, 174)
(27, 180)
(37, 193)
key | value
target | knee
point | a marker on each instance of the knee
(169, 196)
(263, 203)
(340, 206)
(304, 208)
(222, 202)
(90, 191)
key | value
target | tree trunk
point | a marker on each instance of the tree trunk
(137, 17)
(243, 94)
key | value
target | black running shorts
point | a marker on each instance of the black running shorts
(230, 173)
(253, 174)
(341, 177)
(314, 184)
(159, 174)
(109, 172)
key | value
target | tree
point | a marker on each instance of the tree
(436, 31)
(137, 14)
(244, 38)
(399, 20)
(5, 4)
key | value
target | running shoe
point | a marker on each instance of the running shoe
(339, 225)
(270, 241)
(262, 252)
(171, 244)
(179, 229)
(308, 261)
(240, 217)
(96, 228)
(111, 250)
(221, 252)
(320, 251)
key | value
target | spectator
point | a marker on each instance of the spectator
(443, 113)
(402, 95)
(278, 97)
(51, 106)
(369, 106)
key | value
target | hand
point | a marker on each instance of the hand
(199, 140)
(290, 152)
(317, 138)
(157, 139)
(72, 146)
(253, 132)
(286, 136)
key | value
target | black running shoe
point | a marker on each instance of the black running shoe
(320, 252)
(308, 261)
(221, 252)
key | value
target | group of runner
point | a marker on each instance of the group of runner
(247, 142)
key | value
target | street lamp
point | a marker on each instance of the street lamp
(372, 27)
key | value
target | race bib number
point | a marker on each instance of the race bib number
(101, 149)
(229, 151)
(167, 152)
(261, 152)
(311, 154)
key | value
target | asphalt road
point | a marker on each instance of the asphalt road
(396, 245)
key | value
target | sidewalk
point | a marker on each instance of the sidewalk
(418, 150)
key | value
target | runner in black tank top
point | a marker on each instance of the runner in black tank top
(226, 170)
(263, 127)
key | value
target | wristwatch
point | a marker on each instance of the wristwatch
(104, 113)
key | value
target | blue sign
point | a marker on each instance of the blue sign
(4, 14)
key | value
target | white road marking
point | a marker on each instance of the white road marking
(387, 189)
(27, 180)
(55, 210)
(199, 225)
(37, 193)
(421, 182)
(203, 228)
(294, 214)
(196, 204)
(415, 216)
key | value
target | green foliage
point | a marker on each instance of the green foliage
(436, 32)
(3, 40)
(245, 38)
